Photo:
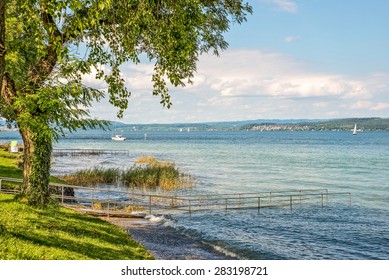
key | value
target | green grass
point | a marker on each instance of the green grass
(57, 233)
(9, 165)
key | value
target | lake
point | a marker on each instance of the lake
(254, 161)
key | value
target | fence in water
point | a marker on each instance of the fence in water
(87, 152)
(129, 203)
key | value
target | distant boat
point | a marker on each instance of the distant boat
(118, 137)
(355, 130)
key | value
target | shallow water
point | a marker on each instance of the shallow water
(165, 243)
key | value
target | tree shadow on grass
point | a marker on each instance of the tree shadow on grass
(73, 224)
(85, 250)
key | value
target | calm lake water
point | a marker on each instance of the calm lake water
(248, 161)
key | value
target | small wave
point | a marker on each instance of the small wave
(224, 251)
(156, 219)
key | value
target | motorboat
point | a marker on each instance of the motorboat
(118, 137)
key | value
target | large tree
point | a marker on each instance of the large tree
(46, 46)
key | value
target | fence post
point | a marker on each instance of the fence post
(350, 198)
(291, 203)
(270, 198)
(322, 200)
(259, 204)
(226, 203)
(149, 204)
(326, 197)
(62, 191)
(190, 208)
(108, 203)
(0, 184)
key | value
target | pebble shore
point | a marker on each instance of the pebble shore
(166, 243)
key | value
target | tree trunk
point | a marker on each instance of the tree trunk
(2, 41)
(36, 166)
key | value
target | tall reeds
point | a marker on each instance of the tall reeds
(94, 176)
(147, 172)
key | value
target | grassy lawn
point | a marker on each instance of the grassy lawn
(8, 165)
(57, 233)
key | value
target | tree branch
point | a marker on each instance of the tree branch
(8, 91)
(46, 64)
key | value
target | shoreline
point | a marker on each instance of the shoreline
(166, 243)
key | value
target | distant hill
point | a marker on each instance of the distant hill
(347, 124)
(364, 124)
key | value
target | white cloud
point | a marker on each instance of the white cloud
(286, 5)
(138, 77)
(256, 74)
(320, 105)
(251, 84)
(362, 105)
(91, 81)
(290, 39)
(370, 105)
(380, 106)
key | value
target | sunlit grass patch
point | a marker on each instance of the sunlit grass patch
(10, 164)
(58, 233)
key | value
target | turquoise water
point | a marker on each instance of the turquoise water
(228, 162)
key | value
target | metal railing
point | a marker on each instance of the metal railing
(81, 152)
(121, 203)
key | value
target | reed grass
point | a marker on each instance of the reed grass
(152, 161)
(147, 172)
(93, 176)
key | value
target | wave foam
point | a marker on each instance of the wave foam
(156, 219)
(224, 251)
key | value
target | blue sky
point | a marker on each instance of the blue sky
(293, 59)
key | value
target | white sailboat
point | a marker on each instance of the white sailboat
(355, 130)
(118, 137)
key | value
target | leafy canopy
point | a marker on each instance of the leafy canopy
(51, 44)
